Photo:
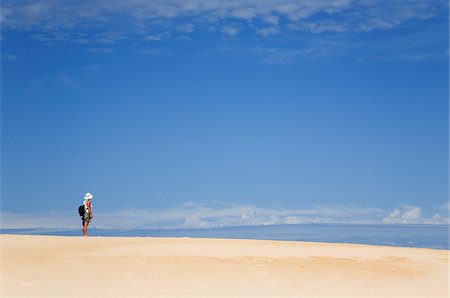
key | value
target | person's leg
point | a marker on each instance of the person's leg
(86, 220)
(85, 227)
(86, 223)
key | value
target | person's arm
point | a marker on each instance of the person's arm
(90, 209)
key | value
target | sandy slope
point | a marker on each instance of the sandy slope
(180, 267)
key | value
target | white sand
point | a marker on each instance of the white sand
(43, 266)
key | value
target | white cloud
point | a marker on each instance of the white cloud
(294, 220)
(393, 218)
(152, 37)
(111, 37)
(435, 220)
(230, 31)
(157, 37)
(255, 217)
(188, 28)
(273, 220)
(412, 215)
(267, 31)
(272, 20)
(322, 26)
(192, 221)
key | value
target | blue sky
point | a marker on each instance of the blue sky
(204, 113)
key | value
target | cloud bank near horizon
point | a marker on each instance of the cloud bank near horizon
(192, 215)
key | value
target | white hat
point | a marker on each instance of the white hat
(88, 196)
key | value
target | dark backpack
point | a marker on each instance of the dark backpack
(81, 210)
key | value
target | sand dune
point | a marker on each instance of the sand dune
(57, 266)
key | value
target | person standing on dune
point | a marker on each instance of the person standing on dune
(87, 217)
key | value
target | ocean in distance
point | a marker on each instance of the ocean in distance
(424, 236)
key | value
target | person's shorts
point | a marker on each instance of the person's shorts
(86, 218)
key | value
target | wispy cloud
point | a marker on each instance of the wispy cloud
(187, 28)
(230, 31)
(112, 37)
(6, 56)
(100, 50)
(59, 79)
(72, 78)
(286, 22)
(308, 49)
(157, 37)
(52, 220)
(193, 215)
(309, 15)
(267, 31)
(152, 52)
